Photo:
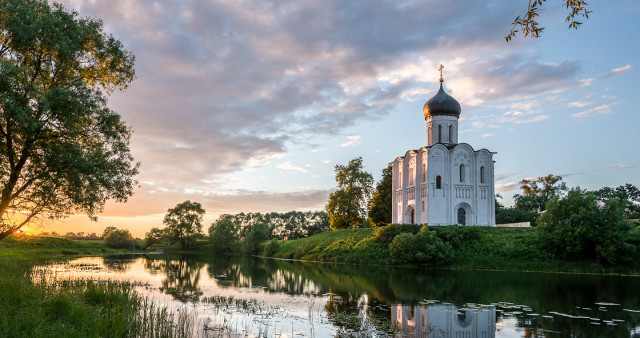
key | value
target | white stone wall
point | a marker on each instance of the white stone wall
(442, 129)
(441, 205)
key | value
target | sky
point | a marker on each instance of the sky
(247, 106)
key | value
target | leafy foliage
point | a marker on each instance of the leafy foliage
(154, 236)
(536, 193)
(422, 248)
(221, 234)
(381, 200)
(288, 225)
(529, 25)
(62, 150)
(580, 227)
(627, 194)
(513, 214)
(271, 248)
(255, 237)
(388, 233)
(184, 223)
(347, 205)
(120, 239)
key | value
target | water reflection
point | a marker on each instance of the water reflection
(445, 320)
(344, 299)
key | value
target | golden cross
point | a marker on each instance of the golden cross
(440, 69)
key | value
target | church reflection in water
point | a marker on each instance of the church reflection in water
(445, 320)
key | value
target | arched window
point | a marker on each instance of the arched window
(422, 205)
(439, 133)
(462, 173)
(438, 182)
(450, 134)
(424, 172)
(482, 179)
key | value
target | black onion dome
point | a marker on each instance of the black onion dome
(441, 104)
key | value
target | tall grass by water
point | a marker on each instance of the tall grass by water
(34, 303)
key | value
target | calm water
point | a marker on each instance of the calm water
(252, 297)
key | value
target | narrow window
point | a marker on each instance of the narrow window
(462, 173)
(450, 134)
(438, 182)
(482, 174)
(424, 172)
(410, 176)
(422, 205)
(439, 133)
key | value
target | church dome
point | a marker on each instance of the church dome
(441, 104)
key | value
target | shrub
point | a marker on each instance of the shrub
(580, 227)
(422, 248)
(120, 239)
(457, 236)
(271, 248)
(386, 234)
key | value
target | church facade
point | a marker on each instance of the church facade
(445, 182)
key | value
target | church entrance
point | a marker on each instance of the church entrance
(462, 216)
(411, 215)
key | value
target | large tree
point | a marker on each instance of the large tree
(537, 192)
(381, 200)
(62, 150)
(184, 222)
(347, 207)
(529, 25)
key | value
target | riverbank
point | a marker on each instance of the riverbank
(37, 305)
(475, 248)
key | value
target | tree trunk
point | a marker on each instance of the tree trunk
(7, 233)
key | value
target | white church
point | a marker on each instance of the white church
(445, 182)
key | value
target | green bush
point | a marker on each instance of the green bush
(386, 234)
(422, 248)
(579, 227)
(121, 239)
(457, 236)
(271, 248)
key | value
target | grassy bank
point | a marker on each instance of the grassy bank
(474, 248)
(38, 306)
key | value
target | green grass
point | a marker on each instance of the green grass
(36, 305)
(515, 249)
(346, 246)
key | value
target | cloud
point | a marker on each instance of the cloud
(599, 110)
(618, 166)
(509, 186)
(618, 71)
(353, 141)
(288, 166)
(488, 135)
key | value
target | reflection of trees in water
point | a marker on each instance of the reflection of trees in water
(181, 276)
(247, 272)
(120, 263)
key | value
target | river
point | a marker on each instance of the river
(274, 298)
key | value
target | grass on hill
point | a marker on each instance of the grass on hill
(474, 248)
